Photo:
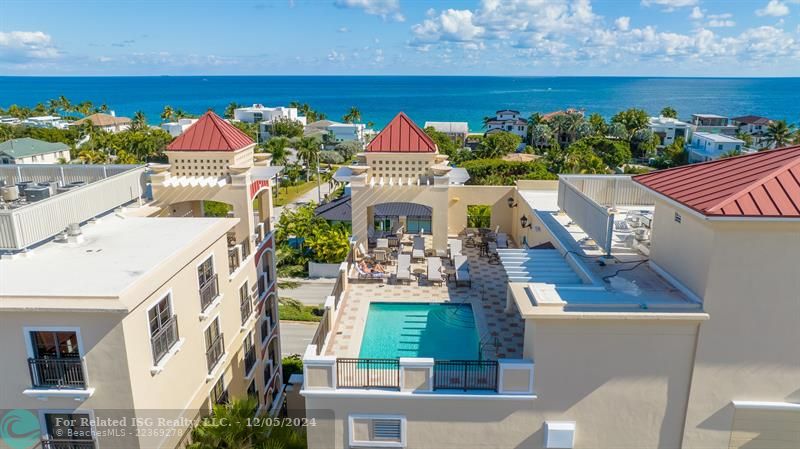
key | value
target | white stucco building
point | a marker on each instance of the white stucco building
(668, 129)
(508, 120)
(175, 129)
(708, 146)
(260, 113)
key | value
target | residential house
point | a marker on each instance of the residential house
(456, 131)
(175, 129)
(33, 151)
(45, 121)
(668, 129)
(105, 122)
(332, 132)
(265, 116)
(9, 120)
(129, 308)
(754, 126)
(708, 146)
(683, 336)
(510, 121)
(712, 123)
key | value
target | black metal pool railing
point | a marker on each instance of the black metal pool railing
(465, 375)
(367, 373)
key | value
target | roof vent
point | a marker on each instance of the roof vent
(73, 229)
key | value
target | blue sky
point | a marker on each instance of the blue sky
(383, 37)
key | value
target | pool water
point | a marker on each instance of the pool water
(440, 331)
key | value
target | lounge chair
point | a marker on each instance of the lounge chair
(435, 270)
(369, 275)
(403, 270)
(418, 249)
(382, 244)
(455, 247)
(461, 264)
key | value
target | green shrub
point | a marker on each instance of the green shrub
(330, 157)
(292, 364)
(500, 172)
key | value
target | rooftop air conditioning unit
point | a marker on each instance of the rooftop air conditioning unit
(23, 184)
(9, 193)
(37, 193)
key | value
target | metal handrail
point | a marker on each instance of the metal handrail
(63, 372)
(367, 373)
(208, 292)
(163, 340)
(465, 375)
(215, 352)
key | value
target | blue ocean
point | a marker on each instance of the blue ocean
(424, 98)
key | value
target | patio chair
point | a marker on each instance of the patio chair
(380, 256)
(461, 264)
(382, 243)
(403, 270)
(418, 248)
(455, 246)
(369, 275)
(502, 240)
(435, 270)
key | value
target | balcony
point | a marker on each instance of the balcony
(57, 373)
(68, 444)
(164, 339)
(233, 259)
(215, 352)
(249, 360)
(246, 309)
(266, 328)
(209, 292)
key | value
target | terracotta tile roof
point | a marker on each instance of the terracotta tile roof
(401, 135)
(765, 184)
(210, 133)
(100, 119)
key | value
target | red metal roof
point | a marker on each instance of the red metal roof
(401, 135)
(211, 133)
(764, 184)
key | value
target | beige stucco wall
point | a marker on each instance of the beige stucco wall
(624, 383)
(495, 196)
(765, 429)
(750, 348)
(682, 249)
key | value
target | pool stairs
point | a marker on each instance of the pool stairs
(537, 265)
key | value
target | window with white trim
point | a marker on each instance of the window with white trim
(163, 328)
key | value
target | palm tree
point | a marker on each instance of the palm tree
(237, 433)
(276, 146)
(167, 113)
(52, 106)
(486, 121)
(779, 133)
(64, 103)
(139, 121)
(230, 108)
(84, 108)
(353, 116)
(308, 150)
(669, 112)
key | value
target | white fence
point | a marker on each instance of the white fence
(109, 187)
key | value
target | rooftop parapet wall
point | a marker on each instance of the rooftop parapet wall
(108, 187)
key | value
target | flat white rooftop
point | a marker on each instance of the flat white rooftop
(112, 254)
(719, 138)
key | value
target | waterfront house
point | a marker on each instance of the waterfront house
(709, 146)
(456, 131)
(33, 151)
(115, 305)
(712, 123)
(668, 129)
(336, 132)
(508, 120)
(596, 311)
(754, 126)
(45, 121)
(105, 122)
(175, 129)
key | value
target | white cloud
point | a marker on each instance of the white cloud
(670, 5)
(623, 23)
(20, 47)
(386, 9)
(697, 13)
(335, 56)
(774, 9)
(343, 30)
(452, 25)
(720, 23)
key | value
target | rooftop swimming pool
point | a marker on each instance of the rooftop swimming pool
(442, 331)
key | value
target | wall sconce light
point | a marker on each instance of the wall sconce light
(511, 202)
(524, 222)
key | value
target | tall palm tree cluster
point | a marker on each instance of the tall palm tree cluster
(61, 105)
(780, 133)
(170, 114)
(352, 116)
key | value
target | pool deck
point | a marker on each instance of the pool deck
(501, 334)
